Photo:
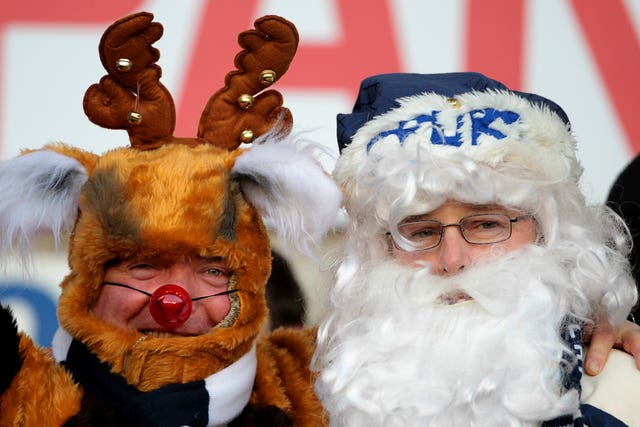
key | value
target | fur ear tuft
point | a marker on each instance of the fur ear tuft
(39, 194)
(290, 189)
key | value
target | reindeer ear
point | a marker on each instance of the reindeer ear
(39, 194)
(289, 188)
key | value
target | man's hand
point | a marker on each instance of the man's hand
(605, 336)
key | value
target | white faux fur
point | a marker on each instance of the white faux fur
(39, 194)
(538, 141)
(290, 189)
(390, 355)
(534, 170)
(386, 354)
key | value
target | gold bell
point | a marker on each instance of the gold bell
(454, 103)
(124, 65)
(246, 136)
(134, 118)
(245, 101)
(267, 77)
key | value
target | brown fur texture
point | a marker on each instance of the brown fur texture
(170, 200)
(284, 380)
(42, 393)
(147, 204)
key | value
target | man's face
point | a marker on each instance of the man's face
(129, 309)
(454, 253)
(450, 335)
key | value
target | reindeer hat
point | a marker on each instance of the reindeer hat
(171, 197)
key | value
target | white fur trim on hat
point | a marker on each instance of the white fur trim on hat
(493, 128)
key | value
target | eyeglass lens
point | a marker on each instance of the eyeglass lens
(479, 229)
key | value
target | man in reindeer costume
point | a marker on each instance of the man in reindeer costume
(168, 255)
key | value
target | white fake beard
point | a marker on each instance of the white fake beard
(394, 355)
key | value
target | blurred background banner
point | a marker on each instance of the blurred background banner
(584, 55)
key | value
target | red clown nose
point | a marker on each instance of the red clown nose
(170, 306)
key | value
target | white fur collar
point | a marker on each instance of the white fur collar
(229, 389)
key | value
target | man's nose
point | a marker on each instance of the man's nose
(171, 304)
(453, 252)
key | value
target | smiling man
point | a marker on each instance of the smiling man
(472, 265)
(162, 309)
(170, 306)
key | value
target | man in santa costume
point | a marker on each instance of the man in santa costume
(472, 267)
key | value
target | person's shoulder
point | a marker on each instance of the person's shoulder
(284, 379)
(289, 350)
(296, 339)
(616, 390)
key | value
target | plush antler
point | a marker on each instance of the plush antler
(233, 115)
(131, 96)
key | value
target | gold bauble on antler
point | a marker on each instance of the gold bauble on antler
(267, 77)
(124, 65)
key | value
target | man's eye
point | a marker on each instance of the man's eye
(425, 232)
(487, 225)
(418, 231)
(217, 272)
(142, 266)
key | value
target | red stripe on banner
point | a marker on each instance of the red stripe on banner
(614, 45)
(62, 13)
(367, 46)
(214, 49)
(66, 12)
(495, 39)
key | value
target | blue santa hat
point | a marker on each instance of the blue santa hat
(380, 93)
(454, 135)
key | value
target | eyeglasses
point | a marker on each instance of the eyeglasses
(481, 229)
